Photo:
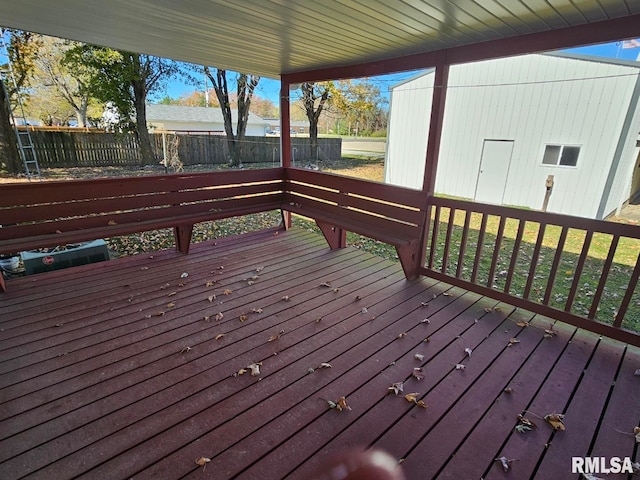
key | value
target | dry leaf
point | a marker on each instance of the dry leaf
(636, 432)
(207, 318)
(459, 366)
(524, 424)
(402, 335)
(181, 284)
(555, 420)
(58, 231)
(489, 310)
(202, 461)
(318, 320)
(396, 388)
(286, 298)
(421, 404)
(325, 365)
(171, 305)
(412, 397)
(364, 310)
(325, 284)
(637, 373)
(144, 268)
(243, 318)
(165, 286)
(505, 462)
(336, 290)
(550, 332)
(468, 352)
(256, 310)
(209, 283)
(227, 292)
(157, 314)
(522, 323)
(273, 338)
(446, 294)
(219, 336)
(508, 390)
(249, 282)
(342, 404)
(418, 373)
(112, 222)
(259, 269)
(424, 304)
(171, 294)
(184, 275)
(419, 357)
(255, 369)
(185, 350)
(58, 324)
(426, 320)
(219, 316)
(512, 341)
(242, 371)
(211, 298)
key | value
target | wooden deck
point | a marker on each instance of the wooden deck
(122, 370)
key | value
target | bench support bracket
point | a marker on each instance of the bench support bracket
(410, 258)
(336, 237)
(182, 236)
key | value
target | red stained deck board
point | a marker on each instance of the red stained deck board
(123, 402)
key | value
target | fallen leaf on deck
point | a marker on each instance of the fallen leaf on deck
(513, 341)
(325, 284)
(419, 357)
(318, 320)
(555, 420)
(273, 338)
(468, 352)
(402, 335)
(181, 284)
(242, 371)
(459, 366)
(171, 305)
(522, 323)
(171, 294)
(524, 424)
(418, 373)
(396, 388)
(364, 310)
(637, 373)
(412, 397)
(259, 269)
(446, 294)
(336, 290)
(426, 320)
(339, 405)
(207, 318)
(489, 310)
(227, 292)
(144, 268)
(421, 404)
(424, 304)
(505, 462)
(508, 390)
(325, 365)
(165, 286)
(209, 283)
(249, 282)
(186, 349)
(184, 275)
(219, 316)
(219, 336)
(636, 432)
(550, 332)
(256, 310)
(243, 318)
(58, 231)
(157, 314)
(211, 298)
(202, 461)
(285, 298)
(255, 369)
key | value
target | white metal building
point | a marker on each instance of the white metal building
(199, 119)
(511, 123)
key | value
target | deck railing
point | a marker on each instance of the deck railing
(584, 272)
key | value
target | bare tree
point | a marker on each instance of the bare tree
(246, 85)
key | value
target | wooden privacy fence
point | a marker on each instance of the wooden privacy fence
(577, 270)
(67, 149)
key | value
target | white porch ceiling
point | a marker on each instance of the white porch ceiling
(274, 37)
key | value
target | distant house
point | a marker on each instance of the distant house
(511, 123)
(199, 120)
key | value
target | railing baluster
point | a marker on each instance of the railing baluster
(434, 236)
(476, 261)
(463, 243)
(514, 255)
(534, 260)
(554, 266)
(496, 251)
(603, 277)
(633, 282)
(447, 241)
(577, 273)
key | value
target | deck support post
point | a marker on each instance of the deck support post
(410, 258)
(286, 219)
(336, 237)
(182, 235)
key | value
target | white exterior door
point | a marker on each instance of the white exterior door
(494, 168)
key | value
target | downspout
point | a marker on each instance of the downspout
(617, 156)
(440, 82)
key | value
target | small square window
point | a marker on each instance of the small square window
(565, 155)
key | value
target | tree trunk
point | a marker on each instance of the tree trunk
(313, 140)
(147, 157)
(9, 157)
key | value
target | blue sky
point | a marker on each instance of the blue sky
(268, 88)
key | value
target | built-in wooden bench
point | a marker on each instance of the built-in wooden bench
(47, 214)
(338, 204)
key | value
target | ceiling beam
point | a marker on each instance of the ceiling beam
(567, 37)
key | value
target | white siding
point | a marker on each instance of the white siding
(532, 100)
